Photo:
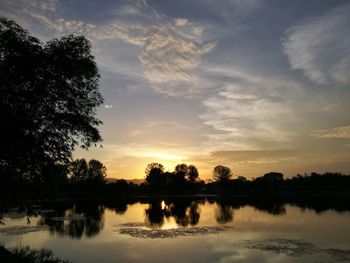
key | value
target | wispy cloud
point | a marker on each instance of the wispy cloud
(181, 21)
(249, 112)
(170, 50)
(320, 47)
(337, 132)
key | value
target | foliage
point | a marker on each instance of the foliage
(78, 170)
(182, 179)
(155, 175)
(28, 256)
(49, 96)
(192, 173)
(87, 176)
(222, 173)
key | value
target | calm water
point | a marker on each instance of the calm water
(186, 231)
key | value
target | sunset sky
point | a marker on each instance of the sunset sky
(257, 85)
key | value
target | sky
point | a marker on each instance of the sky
(256, 85)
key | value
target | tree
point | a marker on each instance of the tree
(96, 171)
(222, 173)
(82, 171)
(49, 96)
(181, 168)
(155, 175)
(273, 177)
(78, 170)
(192, 173)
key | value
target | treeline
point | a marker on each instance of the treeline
(185, 179)
(274, 182)
(87, 179)
(77, 176)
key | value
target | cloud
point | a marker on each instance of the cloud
(170, 51)
(320, 47)
(180, 21)
(249, 111)
(47, 5)
(337, 132)
(109, 106)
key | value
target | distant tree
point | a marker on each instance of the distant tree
(96, 171)
(192, 173)
(49, 97)
(222, 173)
(242, 179)
(78, 170)
(181, 168)
(179, 178)
(155, 175)
(82, 171)
(273, 177)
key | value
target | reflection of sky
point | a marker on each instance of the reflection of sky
(325, 230)
(257, 85)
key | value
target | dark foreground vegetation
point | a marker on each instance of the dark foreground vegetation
(28, 256)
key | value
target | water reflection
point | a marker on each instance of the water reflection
(75, 222)
(87, 219)
(185, 212)
(223, 213)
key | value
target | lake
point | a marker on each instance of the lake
(186, 230)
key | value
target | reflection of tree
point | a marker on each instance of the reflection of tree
(223, 213)
(194, 213)
(154, 214)
(120, 207)
(271, 207)
(185, 212)
(76, 222)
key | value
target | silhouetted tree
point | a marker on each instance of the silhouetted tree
(49, 96)
(78, 170)
(181, 168)
(155, 176)
(192, 173)
(178, 182)
(96, 171)
(222, 173)
(273, 177)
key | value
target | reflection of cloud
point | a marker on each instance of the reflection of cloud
(320, 47)
(20, 230)
(337, 132)
(297, 248)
